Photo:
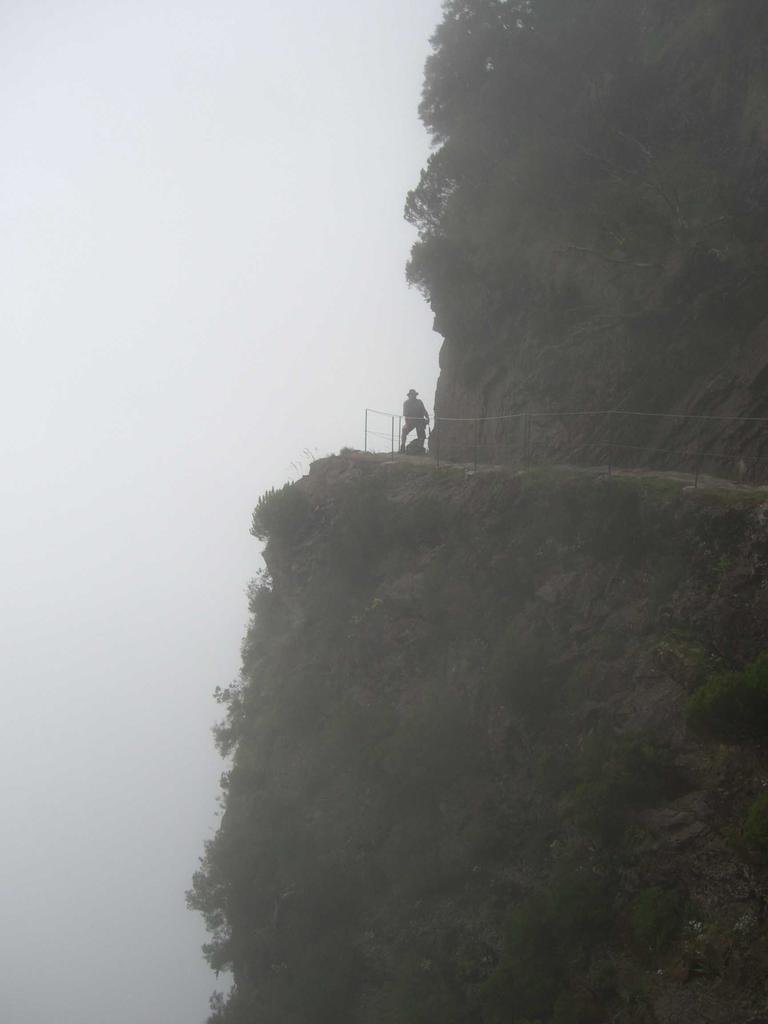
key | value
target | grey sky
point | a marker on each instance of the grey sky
(202, 276)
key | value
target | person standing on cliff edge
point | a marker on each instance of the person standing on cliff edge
(416, 418)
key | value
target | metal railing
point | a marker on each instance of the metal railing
(729, 447)
(381, 427)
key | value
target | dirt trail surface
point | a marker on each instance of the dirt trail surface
(703, 482)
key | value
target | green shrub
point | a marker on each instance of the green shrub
(654, 919)
(733, 705)
(280, 512)
(618, 774)
(756, 824)
(531, 971)
(545, 936)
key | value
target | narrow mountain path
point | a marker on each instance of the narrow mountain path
(687, 481)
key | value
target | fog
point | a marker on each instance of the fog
(202, 288)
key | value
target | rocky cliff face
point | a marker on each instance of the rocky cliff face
(592, 219)
(499, 754)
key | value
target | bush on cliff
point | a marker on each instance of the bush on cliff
(618, 775)
(654, 919)
(280, 512)
(546, 935)
(733, 705)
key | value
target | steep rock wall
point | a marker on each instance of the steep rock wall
(592, 220)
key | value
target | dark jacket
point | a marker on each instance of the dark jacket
(413, 409)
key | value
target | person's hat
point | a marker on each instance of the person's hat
(412, 392)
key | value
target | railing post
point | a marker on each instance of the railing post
(366, 432)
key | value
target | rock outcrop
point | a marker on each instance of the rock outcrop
(592, 218)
